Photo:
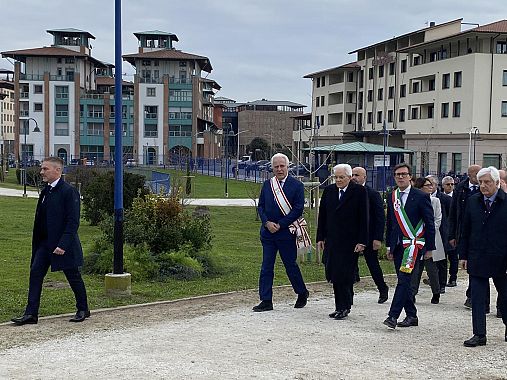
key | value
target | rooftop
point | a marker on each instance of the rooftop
(70, 31)
(359, 147)
(351, 65)
(170, 55)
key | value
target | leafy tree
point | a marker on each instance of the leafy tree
(258, 143)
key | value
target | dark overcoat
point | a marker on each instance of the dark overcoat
(62, 219)
(483, 242)
(342, 224)
(377, 216)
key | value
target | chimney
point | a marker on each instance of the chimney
(432, 23)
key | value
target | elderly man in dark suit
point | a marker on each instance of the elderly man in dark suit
(55, 242)
(281, 204)
(342, 233)
(410, 232)
(483, 250)
(377, 220)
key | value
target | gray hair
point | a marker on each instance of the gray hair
(447, 179)
(492, 171)
(280, 155)
(346, 167)
(433, 179)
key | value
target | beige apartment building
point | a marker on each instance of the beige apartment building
(6, 114)
(441, 92)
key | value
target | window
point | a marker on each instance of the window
(403, 90)
(62, 92)
(456, 109)
(37, 107)
(350, 97)
(69, 60)
(146, 62)
(350, 77)
(425, 163)
(183, 63)
(360, 101)
(417, 60)
(381, 71)
(380, 94)
(402, 114)
(457, 79)
(359, 121)
(392, 67)
(37, 88)
(95, 111)
(180, 130)
(504, 80)
(504, 109)
(350, 117)
(150, 130)
(69, 75)
(151, 112)
(446, 81)
(318, 82)
(379, 116)
(403, 66)
(415, 87)
(489, 159)
(321, 120)
(442, 163)
(456, 163)
(95, 129)
(390, 116)
(370, 73)
(414, 113)
(317, 101)
(370, 118)
(445, 110)
(61, 129)
(390, 92)
(433, 56)
(180, 95)
(151, 91)
(361, 79)
(431, 110)
(370, 95)
(322, 101)
(61, 110)
(501, 47)
(431, 85)
(322, 81)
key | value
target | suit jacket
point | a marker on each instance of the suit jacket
(377, 216)
(62, 219)
(445, 202)
(342, 224)
(459, 198)
(484, 241)
(269, 211)
(417, 207)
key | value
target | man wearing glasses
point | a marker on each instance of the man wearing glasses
(448, 185)
(410, 232)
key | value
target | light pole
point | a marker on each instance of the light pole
(237, 152)
(25, 130)
(474, 131)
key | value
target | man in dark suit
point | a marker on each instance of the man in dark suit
(276, 234)
(410, 232)
(342, 233)
(376, 225)
(483, 250)
(55, 242)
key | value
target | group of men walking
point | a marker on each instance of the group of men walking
(423, 226)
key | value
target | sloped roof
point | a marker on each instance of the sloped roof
(350, 65)
(70, 31)
(48, 51)
(264, 102)
(109, 81)
(359, 147)
(157, 33)
(170, 55)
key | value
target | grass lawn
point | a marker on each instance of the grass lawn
(236, 245)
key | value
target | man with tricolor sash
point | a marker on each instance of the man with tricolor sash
(283, 230)
(410, 233)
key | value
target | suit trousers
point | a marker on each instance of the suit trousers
(480, 291)
(343, 295)
(431, 270)
(402, 298)
(371, 258)
(288, 253)
(38, 270)
(453, 264)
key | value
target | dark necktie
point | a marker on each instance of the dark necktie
(342, 193)
(487, 202)
(47, 191)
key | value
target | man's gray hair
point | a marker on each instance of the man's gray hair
(447, 179)
(280, 155)
(433, 179)
(346, 167)
(492, 171)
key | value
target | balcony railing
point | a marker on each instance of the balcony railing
(96, 115)
(23, 95)
(62, 95)
(148, 115)
(24, 113)
(181, 80)
(31, 76)
(150, 133)
(62, 113)
(65, 78)
(151, 80)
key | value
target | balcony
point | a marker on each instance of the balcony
(31, 76)
(24, 113)
(23, 95)
(151, 80)
(182, 80)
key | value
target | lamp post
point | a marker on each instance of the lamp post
(473, 131)
(25, 130)
(237, 152)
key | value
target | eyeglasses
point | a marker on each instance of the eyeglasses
(401, 175)
(428, 185)
(448, 184)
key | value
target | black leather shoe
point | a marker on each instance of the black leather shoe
(342, 314)
(333, 314)
(408, 322)
(498, 313)
(442, 290)
(302, 299)
(451, 284)
(390, 322)
(80, 316)
(263, 306)
(384, 295)
(475, 341)
(468, 303)
(26, 319)
(435, 299)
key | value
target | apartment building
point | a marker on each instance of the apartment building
(69, 95)
(441, 92)
(6, 114)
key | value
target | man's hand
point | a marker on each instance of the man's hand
(428, 255)
(359, 248)
(376, 245)
(58, 251)
(463, 264)
(389, 254)
(452, 243)
(320, 245)
(272, 227)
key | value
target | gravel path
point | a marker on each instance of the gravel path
(218, 337)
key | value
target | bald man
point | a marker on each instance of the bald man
(503, 179)
(377, 220)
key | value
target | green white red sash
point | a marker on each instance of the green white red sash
(413, 239)
(299, 226)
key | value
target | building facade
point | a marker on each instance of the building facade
(441, 92)
(6, 116)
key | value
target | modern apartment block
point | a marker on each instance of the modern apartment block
(441, 90)
(69, 95)
(6, 114)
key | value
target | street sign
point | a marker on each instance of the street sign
(378, 160)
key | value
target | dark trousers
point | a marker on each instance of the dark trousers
(480, 291)
(403, 293)
(442, 272)
(452, 255)
(343, 295)
(371, 258)
(288, 253)
(431, 270)
(38, 270)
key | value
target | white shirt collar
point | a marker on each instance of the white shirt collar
(54, 183)
(407, 190)
(344, 189)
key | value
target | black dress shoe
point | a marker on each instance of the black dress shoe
(475, 341)
(302, 299)
(26, 319)
(384, 295)
(263, 306)
(390, 322)
(468, 303)
(498, 312)
(80, 316)
(333, 314)
(409, 321)
(451, 284)
(435, 299)
(342, 314)
(442, 290)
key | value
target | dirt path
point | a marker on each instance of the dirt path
(218, 337)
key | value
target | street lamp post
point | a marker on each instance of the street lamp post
(36, 129)
(473, 131)
(237, 152)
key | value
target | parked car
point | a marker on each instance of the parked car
(75, 162)
(131, 163)
(300, 169)
(104, 163)
(90, 163)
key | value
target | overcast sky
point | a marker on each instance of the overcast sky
(258, 48)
